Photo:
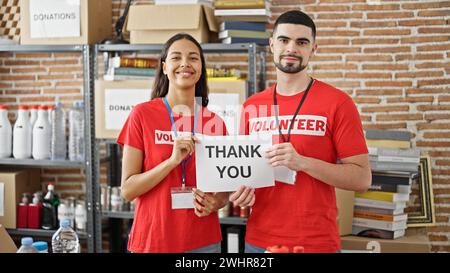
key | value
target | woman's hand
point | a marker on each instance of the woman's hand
(243, 197)
(182, 146)
(207, 203)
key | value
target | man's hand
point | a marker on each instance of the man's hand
(206, 203)
(243, 197)
(284, 154)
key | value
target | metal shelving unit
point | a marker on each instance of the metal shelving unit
(39, 232)
(42, 163)
(233, 221)
(87, 56)
(255, 53)
(118, 214)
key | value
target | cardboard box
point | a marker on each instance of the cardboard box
(406, 244)
(95, 24)
(345, 205)
(110, 117)
(13, 183)
(114, 101)
(7, 244)
(149, 24)
(226, 99)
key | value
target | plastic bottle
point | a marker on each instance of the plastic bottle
(41, 246)
(22, 211)
(50, 208)
(66, 210)
(58, 133)
(65, 239)
(27, 246)
(76, 132)
(41, 135)
(33, 114)
(22, 134)
(5, 133)
(50, 108)
(35, 212)
(80, 216)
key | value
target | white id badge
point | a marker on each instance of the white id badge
(284, 174)
(182, 198)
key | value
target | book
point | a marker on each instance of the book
(390, 188)
(398, 178)
(243, 4)
(388, 135)
(381, 217)
(224, 79)
(393, 166)
(134, 71)
(404, 189)
(127, 78)
(363, 202)
(399, 210)
(394, 152)
(183, 2)
(238, 40)
(377, 233)
(382, 143)
(135, 62)
(244, 12)
(244, 34)
(251, 18)
(240, 25)
(222, 72)
(399, 159)
(386, 225)
(384, 196)
(383, 187)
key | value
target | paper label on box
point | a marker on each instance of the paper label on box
(227, 107)
(2, 199)
(119, 103)
(54, 18)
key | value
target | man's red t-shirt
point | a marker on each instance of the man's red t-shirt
(328, 127)
(157, 227)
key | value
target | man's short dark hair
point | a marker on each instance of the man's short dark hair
(296, 17)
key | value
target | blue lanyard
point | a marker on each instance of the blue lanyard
(174, 129)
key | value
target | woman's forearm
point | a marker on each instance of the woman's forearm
(138, 184)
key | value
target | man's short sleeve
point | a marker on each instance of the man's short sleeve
(131, 133)
(348, 135)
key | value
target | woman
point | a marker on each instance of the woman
(158, 166)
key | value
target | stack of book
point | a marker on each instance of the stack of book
(380, 212)
(183, 2)
(222, 74)
(243, 21)
(131, 68)
(388, 139)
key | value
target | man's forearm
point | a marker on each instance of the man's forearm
(347, 176)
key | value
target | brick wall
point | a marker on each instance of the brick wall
(392, 57)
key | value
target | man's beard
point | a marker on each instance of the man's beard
(290, 67)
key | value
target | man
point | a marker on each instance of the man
(314, 126)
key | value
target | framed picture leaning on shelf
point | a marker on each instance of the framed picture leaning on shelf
(421, 210)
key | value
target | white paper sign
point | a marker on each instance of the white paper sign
(54, 18)
(284, 174)
(226, 106)
(223, 163)
(2, 199)
(119, 103)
